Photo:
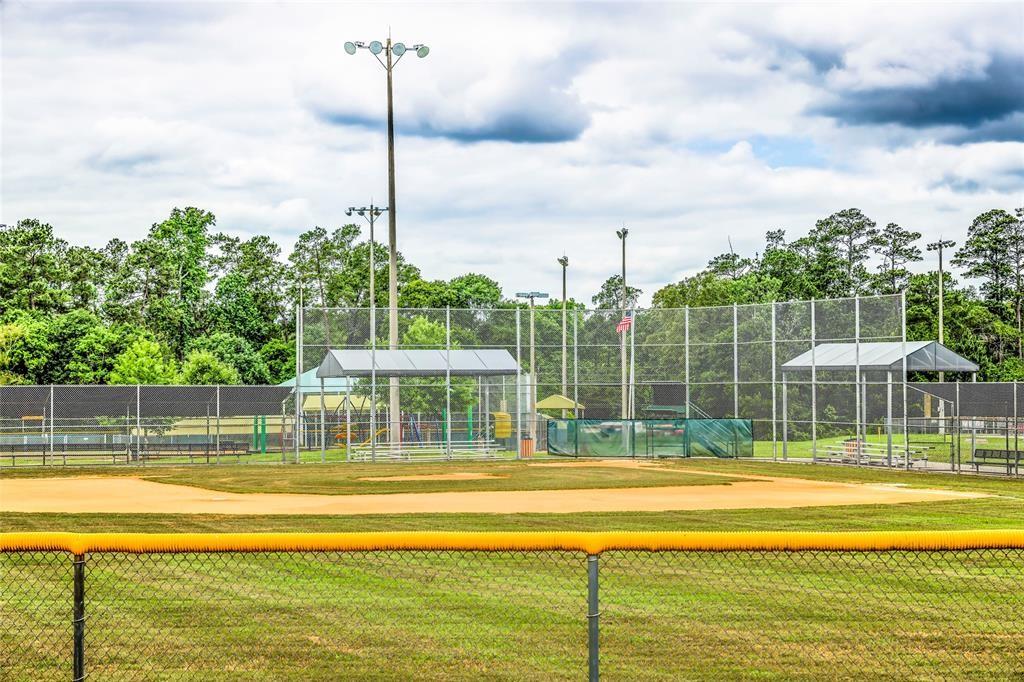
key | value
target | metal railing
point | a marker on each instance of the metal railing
(524, 605)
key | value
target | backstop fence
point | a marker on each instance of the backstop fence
(910, 605)
(707, 362)
(726, 362)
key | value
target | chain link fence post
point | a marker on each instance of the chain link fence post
(298, 374)
(50, 424)
(373, 384)
(954, 443)
(903, 341)
(686, 358)
(856, 382)
(519, 387)
(576, 363)
(218, 425)
(775, 405)
(735, 362)
(814, 388)
(1016, 432)
(448, 381)
(78, 619)
(138, 423)
(593, 620)
(323, 424)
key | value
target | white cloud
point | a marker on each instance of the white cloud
(691, 123)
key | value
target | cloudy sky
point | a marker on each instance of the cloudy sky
(529, 131)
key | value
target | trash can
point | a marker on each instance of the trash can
(526, 447)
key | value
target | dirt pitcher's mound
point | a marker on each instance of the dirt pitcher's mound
(123, 495)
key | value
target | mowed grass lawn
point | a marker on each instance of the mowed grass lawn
(472, 615)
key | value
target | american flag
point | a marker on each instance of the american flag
(625, 323)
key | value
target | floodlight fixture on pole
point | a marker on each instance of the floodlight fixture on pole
(564, 262)
(532, 295)
(939, 246)
(397, 51)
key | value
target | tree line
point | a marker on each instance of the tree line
(190, 304)
(847, 254)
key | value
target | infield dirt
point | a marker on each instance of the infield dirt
(126, 495)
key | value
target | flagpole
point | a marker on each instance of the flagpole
(633, 338)
(621, 234)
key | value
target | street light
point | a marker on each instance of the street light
(398, 50)
(939, 246)
(564, 262)
(622, 234)
(532, 295)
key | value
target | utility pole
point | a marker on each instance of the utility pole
(939, 246)
(532, 295)
(397, 50)
(564, 262)
(622, 234)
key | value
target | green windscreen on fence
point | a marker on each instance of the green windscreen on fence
(651, 437)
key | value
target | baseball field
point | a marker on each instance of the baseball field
(390, 614)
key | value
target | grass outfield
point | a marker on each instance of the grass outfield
(444, 615)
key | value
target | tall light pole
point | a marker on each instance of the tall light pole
(622, 234)
(532, 295)
(370, 213)
(939, 246)
(398, 50)
(564, 262)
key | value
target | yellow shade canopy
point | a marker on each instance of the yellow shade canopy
(558, 402)
(334, 402)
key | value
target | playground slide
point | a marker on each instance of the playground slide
(382, 430)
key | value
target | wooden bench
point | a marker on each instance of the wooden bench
(997, 457)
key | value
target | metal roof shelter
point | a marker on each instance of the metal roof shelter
(309, 379)
(416, 363)
(921, 356)
(359, 362)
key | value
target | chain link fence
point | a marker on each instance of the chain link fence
(975, 427)
(144, 424)
(523, 606)
(713, 362)
(670, 364)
